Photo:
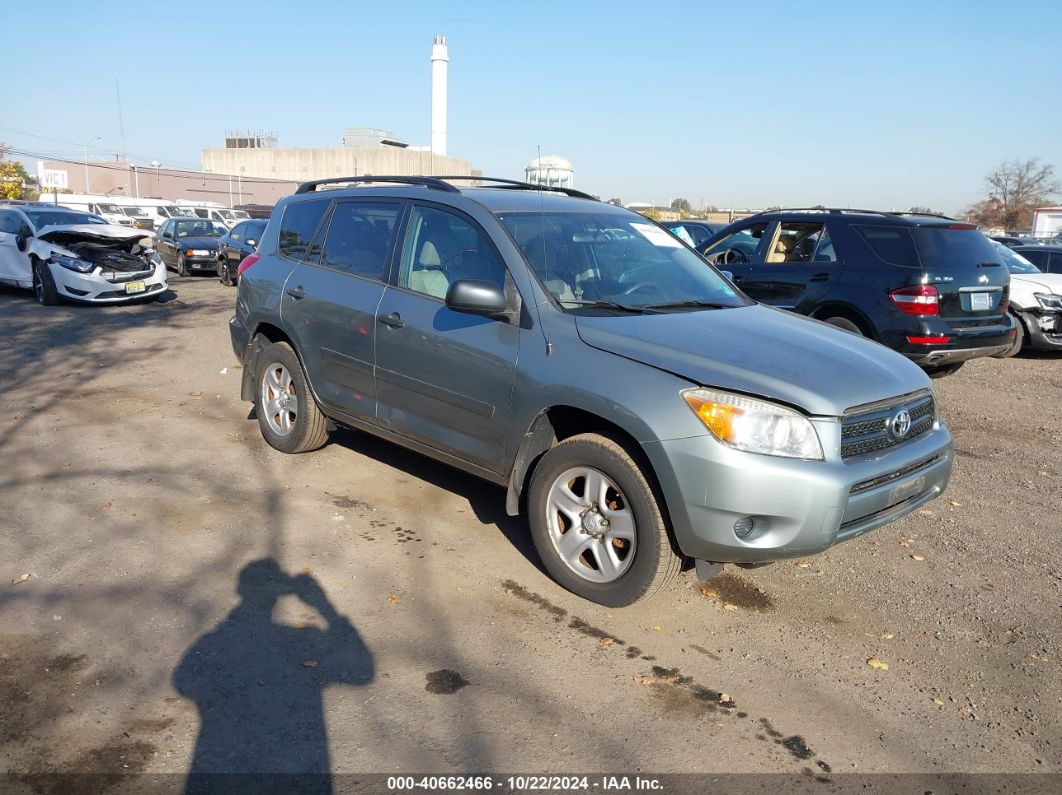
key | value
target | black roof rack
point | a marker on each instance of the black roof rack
(428, 182)
(840, 210)
(515, 184)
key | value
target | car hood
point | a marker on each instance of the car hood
(198, 242)
(1037, 282)
(760, 351)
(65, 234)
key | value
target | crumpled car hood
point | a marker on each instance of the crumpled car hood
(65, 234)
(760, 351)
(1038, 282)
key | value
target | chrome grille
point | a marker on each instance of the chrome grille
(868, 429)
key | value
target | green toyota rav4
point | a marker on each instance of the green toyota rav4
(642, 411)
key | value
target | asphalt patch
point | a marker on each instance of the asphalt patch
(731, 589)
(445, 682)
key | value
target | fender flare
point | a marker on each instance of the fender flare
(540, 437)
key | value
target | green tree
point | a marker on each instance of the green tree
(13, 177)
(682, 206)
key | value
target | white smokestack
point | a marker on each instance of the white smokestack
(439, 60)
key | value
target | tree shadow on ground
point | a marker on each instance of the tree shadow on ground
(258, 684)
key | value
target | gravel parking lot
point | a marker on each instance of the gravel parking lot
(196, 600)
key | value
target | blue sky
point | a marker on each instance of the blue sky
(880, 104)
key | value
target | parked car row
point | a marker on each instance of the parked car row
(186, 245)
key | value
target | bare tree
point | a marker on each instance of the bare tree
(1015, 188)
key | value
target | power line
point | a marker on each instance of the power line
(92, 147)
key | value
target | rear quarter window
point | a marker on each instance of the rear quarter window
(298, 225)
(891, 244)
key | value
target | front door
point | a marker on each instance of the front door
(14, 264)
(165, 244)
(796, 269)
(445, 378)
(736, 252)
(330, 299)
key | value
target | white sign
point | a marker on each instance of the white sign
(52, 177)
(656, 236)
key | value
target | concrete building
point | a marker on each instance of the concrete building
(131, 179)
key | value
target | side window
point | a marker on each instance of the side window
(800, 242)
(254, 232)
(237, 232)
(892, 244)
(359, 238)
(297, 226)
(9, 222)
(737, 248)
(1037, 258)
(825, 251)
(441, 248)
(1056, 263)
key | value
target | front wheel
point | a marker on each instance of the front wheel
(182, 266)
(224, 274)
(596, 522)
(288, 415)
(43, 284)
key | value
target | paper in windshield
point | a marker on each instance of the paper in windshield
(656, 236)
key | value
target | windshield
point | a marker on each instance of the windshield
(1014, 261)
(183, 212)
(243, 214)
(134, 212)
(226, 214)
(587, 258)
(197, 229)
(43, 218)
(167, 212)
(109, 208)
(948, 248)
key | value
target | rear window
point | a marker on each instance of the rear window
(298, 225)
(943, 249)
(891, 244)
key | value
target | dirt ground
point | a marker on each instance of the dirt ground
(197, 601)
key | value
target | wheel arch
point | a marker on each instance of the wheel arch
(848, 312)
(269, 333)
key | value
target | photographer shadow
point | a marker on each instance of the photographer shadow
(258, 685)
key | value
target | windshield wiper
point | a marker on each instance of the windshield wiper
(691, 304)
(607, 305)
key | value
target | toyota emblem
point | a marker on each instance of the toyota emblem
(901, 424)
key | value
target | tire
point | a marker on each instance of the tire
(943, 370)
(224, 275)
(588, 569)
(43, 284)
(1019, 341)
(182, 266)
(292, 424)
(844, 323)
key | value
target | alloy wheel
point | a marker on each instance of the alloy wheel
(279, 399)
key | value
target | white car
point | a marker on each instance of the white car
(1035, 303)
(68, 254)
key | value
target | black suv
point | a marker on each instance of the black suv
(929, 287)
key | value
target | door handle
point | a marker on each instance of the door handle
(394, 320)
(296, 292)
(738, 279)
(820, 277)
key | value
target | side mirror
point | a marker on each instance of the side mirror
(22, 241)
(475, 298)
(251, 241)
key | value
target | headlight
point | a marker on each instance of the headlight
(197, 252)
(73, 263)
(1049, 301)
(755, 426)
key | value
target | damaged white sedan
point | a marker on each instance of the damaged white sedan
(67, 254)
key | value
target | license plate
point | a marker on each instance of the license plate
(981, 301)
(135, 287)
(908, 489)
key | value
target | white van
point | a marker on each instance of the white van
(103, 206)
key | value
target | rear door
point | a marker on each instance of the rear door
(445, 378)
(796, 269)
(330, 298)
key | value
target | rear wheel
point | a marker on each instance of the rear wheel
(943, 369)
(844, 323)
(43, 284)
(596, 522)
(288, 415)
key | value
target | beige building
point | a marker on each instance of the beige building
(300, 165)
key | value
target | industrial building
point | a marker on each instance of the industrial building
(366, 151)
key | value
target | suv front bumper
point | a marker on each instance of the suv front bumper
(799, 507)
